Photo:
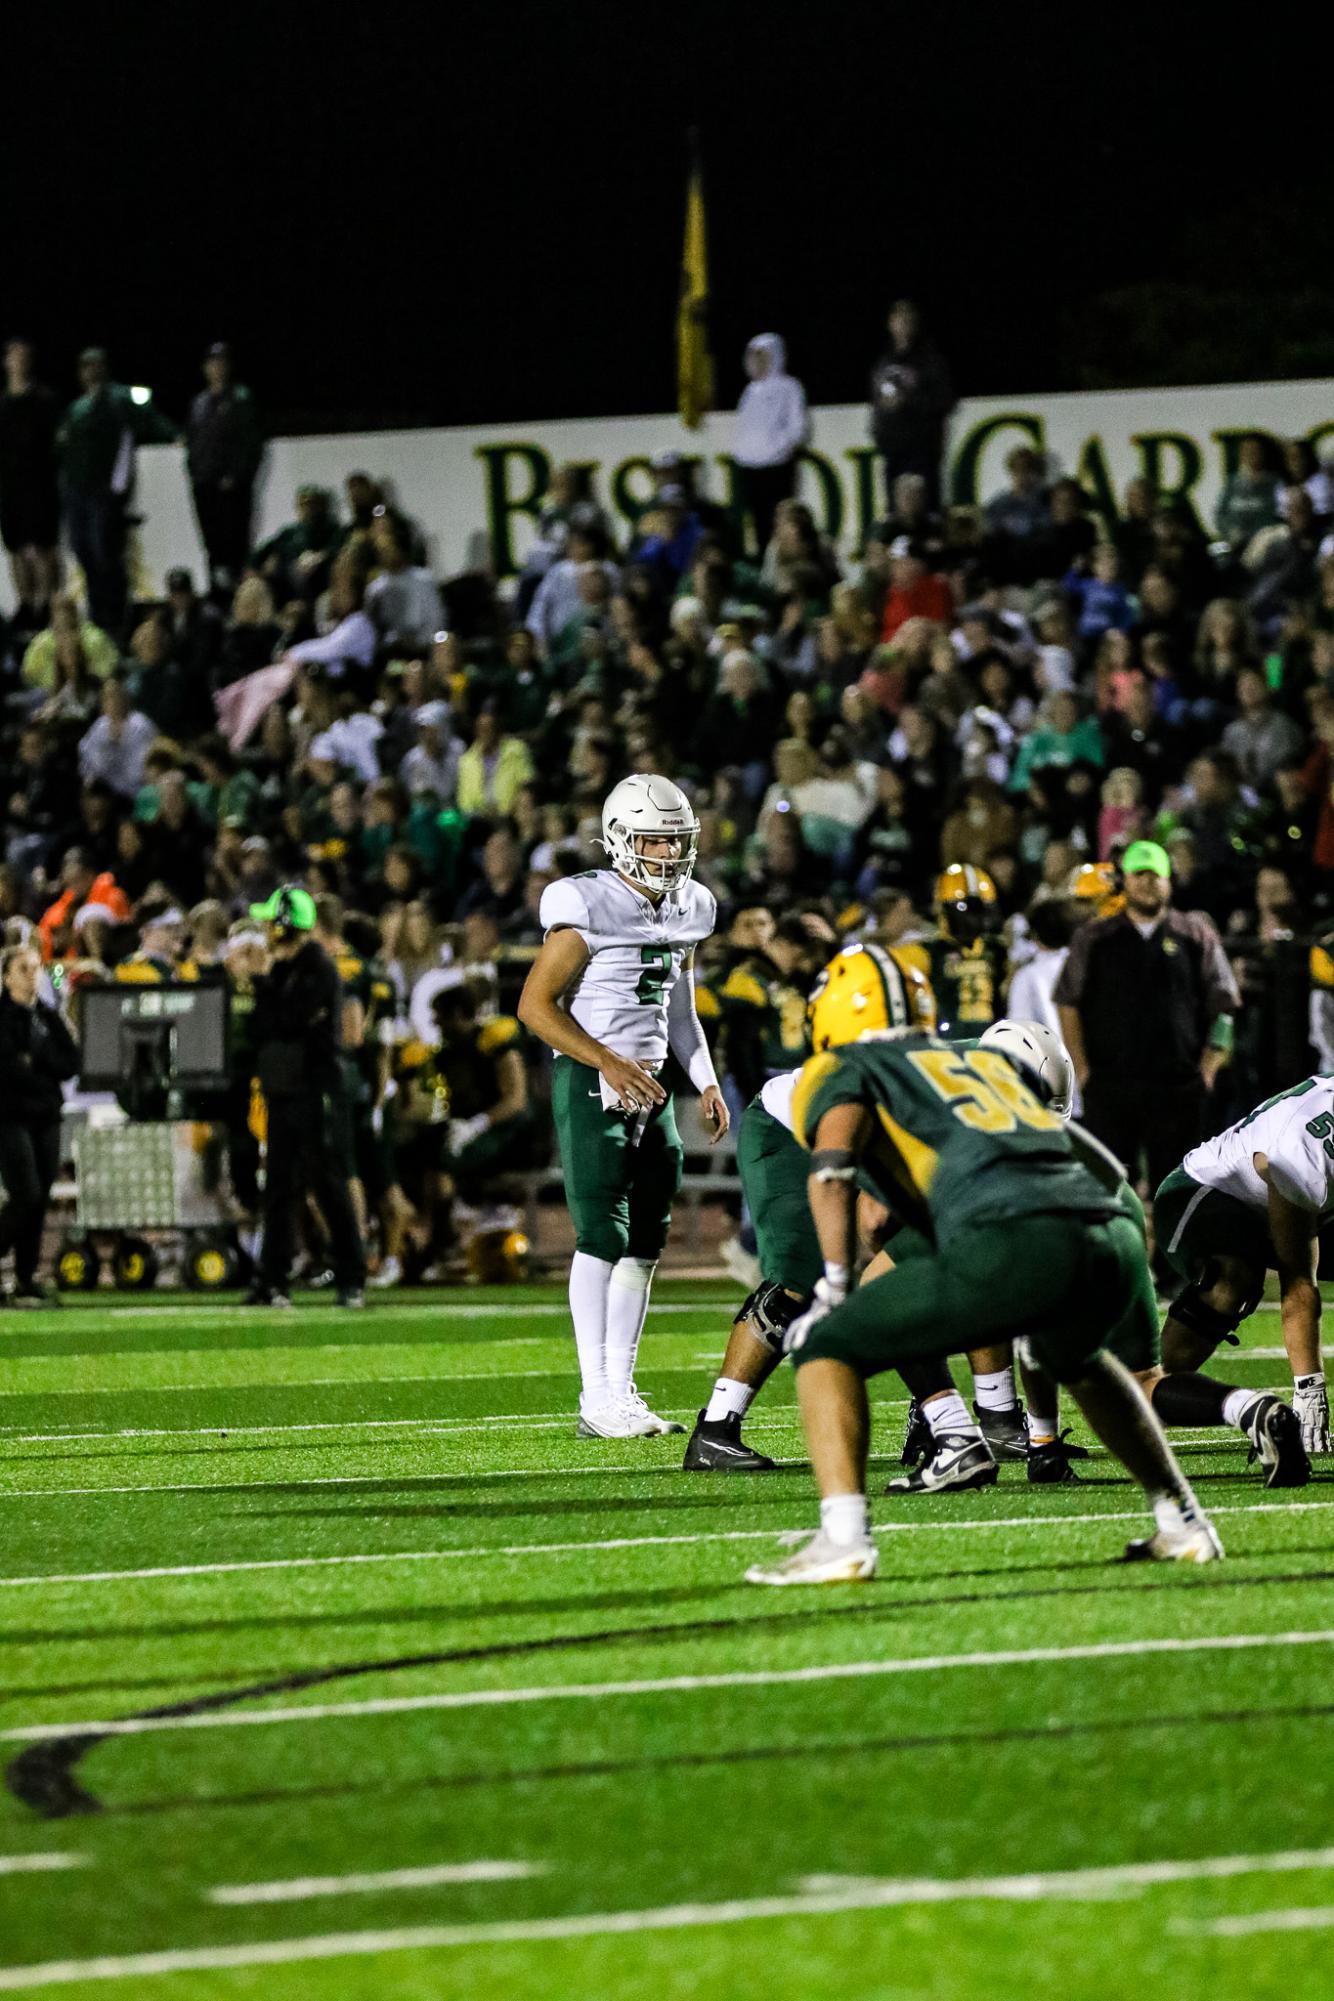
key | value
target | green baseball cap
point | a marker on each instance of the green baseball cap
(289, 906)
(1146, 855)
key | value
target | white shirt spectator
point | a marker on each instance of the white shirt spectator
(558, 599)
(772, 421)
(406, 607)
(115, 753)
(352, 639)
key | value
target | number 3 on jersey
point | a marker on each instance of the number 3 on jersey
(657, 971)
(983, 1091)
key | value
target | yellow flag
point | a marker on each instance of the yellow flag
(694, 365)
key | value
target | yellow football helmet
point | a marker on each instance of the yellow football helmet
(860, 990)
(965, 902)
(1096, 883)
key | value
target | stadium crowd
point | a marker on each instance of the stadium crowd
(1021, 687)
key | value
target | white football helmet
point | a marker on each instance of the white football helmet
(1040, 1053)
(646, 807)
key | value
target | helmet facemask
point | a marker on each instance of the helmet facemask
(658, 874)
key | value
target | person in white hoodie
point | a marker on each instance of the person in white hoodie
(772, 425)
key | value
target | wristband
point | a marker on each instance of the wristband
(836, 1278)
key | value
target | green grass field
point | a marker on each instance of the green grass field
(450, 1702)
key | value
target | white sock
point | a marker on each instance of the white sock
(1236, 1404)
(994, 1389)
(1175, 1512)
(947, 1413)
(590, 1279)
(730, 1399)
(846, 1519)
(627, 1304)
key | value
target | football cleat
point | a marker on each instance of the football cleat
(652, 1426)
(1275, 1433)
(917, 1439)
(608, 1418)
(1006, 1431)
(720, 1448)
(961, 1460)
(821, 1561)
(263, 1295)
(1193, 1542)
(1049, 1463)
(351, 1296)
(390, 1273)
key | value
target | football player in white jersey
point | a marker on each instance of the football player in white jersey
(612, 992)
(1250, 1201)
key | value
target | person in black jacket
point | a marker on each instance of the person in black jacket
(911, 397)
(37, 1054)
(296, 1032)
(224, 446)
(29, 492)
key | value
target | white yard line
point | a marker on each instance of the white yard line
(480, 1553)
(33, 1865)
(849, 1896)
(297, 1889)
(1248, 1925)
(250, 1316)
(537, 1420)
(681, 1684)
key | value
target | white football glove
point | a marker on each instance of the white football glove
(823, 1300)
(1310, 1401)
(462, 1132)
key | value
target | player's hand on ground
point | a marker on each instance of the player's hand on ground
(635, 1088)
(716, 1115)
(1310, 1401)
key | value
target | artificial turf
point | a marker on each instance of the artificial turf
(385, 1518)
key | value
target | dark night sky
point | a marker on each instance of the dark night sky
(474, 213)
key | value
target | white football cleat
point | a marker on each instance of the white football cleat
(607, 1418)
(821, 1561)
(1194, 1542)
(390, 1273)
(651, 1425)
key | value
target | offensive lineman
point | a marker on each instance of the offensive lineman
(611, 992)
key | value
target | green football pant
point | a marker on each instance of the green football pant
(1195, 1223)
(621, 1169)
(774, 1170)
(1068, 1285)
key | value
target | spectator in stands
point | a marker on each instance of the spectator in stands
(1262, 737)
(98, 439)
(1122, 818)
(67, 623)
(193, 628)
(1060, 738)
(346, 649)
(80, 883)
(403, 600)
(74, 690)
(112, 752)
(297, 560)
(1018, 516)
(36, 801)
(1133, 533)
(431, 767)
(915, 591)
(1103, 603)
(1069, 538)
(911, 398)
(29, 491)
(1249, 500)
(772, 425)
(493, 767)
(223, 445)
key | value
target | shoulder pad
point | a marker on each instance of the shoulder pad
(498, 1034)
(1321, 967)
(743, 986)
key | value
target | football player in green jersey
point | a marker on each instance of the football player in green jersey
(1028, 1239)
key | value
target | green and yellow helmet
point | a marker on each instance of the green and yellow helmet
(862, 989)
(965, 902)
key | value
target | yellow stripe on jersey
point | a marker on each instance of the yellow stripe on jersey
(1322, 967)
(497, 1034)
(743, 986)
(813, 1074)
(917, 1160)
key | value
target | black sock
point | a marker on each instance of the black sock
(925, 1376)
(1189, 1399)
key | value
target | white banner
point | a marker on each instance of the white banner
(477, 492)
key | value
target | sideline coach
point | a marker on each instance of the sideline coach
(296, 1030)
(1146, 1001)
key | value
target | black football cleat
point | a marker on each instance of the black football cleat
(1006, 1431)
(959, 1462)
(1275, 1433)
(918, 1443)
(1049, 1463)
(720, 1448)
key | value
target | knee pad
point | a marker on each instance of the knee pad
(769, 1312)
(1191, 1309)
(633, 1274)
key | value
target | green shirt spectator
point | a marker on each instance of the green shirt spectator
(1061, 737)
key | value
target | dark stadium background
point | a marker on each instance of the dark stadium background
(474, 212)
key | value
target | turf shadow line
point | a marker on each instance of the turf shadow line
(45, 1777)
(758, 1754)
(603, 1601)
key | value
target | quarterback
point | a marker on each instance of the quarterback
(612, 993)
